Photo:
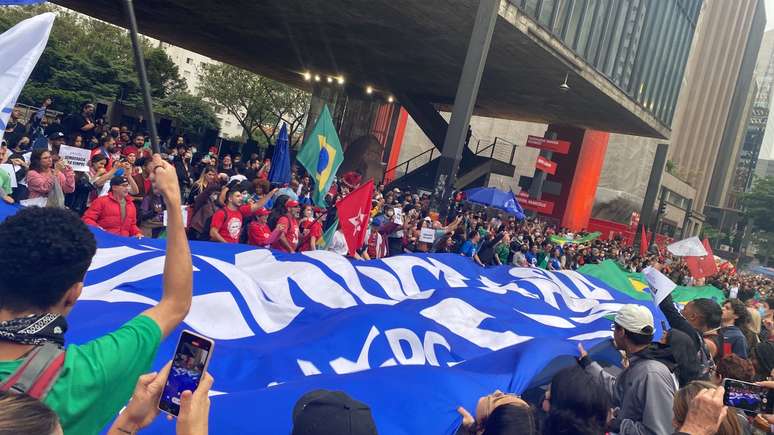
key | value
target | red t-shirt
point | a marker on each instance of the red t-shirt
(229, 222)
(309, 229)
(258, 234)
(291, 233)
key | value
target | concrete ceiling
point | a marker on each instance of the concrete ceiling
(409, 46)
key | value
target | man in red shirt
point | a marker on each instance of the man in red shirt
(227, 222)
(288, 240)
(115, 212)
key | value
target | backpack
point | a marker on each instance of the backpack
(37, 373)
(706, 362)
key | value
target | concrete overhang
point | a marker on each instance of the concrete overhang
(412, 46)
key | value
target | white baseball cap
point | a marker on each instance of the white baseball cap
(636, 319)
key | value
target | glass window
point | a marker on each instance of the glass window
(579, 8)
(546, 12)
(530, 7)
(585, 27)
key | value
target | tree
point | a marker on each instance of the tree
(259, 104)
(758, 205)
(192, 112)
(87, 60)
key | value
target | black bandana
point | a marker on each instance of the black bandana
(35, 329)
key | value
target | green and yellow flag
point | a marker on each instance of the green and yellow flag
(634, 284)
(321, 155)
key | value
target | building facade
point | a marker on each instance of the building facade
(191, 67)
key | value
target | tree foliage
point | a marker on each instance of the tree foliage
(759, 204)
(88, 60)
(259, 104)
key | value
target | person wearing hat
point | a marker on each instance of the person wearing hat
(324, 412)
(55, 141)
(258, 231)
(114, 212)
(645, 389)
(287, 212)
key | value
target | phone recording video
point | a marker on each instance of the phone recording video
(746, 396)
(188, 365)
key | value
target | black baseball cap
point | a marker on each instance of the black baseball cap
(56, 135)
(118, 180)
(324, 412)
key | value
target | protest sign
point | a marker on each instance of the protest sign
(660, 284)
(77, 158)
(427, 235)
(34, 202)
(11, 173)
(184, 209)
(398, 216)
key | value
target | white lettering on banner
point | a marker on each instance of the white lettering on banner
(464, 320)
(218, 316)
(395, 336)
(402, 267)
(586, 287)
(342, 365)
(421, 352)
(549, 286)
(310, 279)
(308, 368)
(146, 269)
(270, 316)
(343, 267)
(548, 320)
(493, 287)
(385, 279)
(452, 277)
(107, 256)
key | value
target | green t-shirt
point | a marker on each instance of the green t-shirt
(98, 378)
(5, 182)
(503, 251)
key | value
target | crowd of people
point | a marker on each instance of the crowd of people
(668, 384)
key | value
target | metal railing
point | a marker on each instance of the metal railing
(499, 149)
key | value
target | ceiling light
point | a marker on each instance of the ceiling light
(390, 99)
(330, 79)
(369, 90)
(317, 77)
(307, 76)
(340, 80)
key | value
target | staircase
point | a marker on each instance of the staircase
(476, 166)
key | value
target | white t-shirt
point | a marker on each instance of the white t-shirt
(339, 244)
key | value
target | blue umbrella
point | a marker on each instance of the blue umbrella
(495, 198)
(280, 161)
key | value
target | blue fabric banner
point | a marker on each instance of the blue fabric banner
(414, 336)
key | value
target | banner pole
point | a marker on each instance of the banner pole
(142, 75)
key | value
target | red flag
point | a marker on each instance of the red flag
(702, 267)
(644, 242)
(354, 213)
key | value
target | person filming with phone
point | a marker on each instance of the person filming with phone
(46, 253)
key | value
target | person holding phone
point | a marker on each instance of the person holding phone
(96, 378)
(142, 409)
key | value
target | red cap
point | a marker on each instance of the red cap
(263, 212)
(214, 150)
(291, 203)
(129, 150)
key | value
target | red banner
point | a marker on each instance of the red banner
(354, 212)
(545, 165)
(540, 206)
(557, 146)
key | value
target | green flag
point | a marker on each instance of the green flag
(634, 284)
(321, 155)
(560, 240)
(325, 241)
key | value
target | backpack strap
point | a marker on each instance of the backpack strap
(38, 371)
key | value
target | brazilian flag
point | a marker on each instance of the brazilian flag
(321, 155)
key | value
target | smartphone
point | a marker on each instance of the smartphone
(189, 364)
(748, 397)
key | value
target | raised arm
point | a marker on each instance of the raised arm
(178, 269)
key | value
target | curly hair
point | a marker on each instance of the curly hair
(740, 311)
(45, 252)
(733, 366)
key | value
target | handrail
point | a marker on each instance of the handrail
(491, 147)
(406, 163)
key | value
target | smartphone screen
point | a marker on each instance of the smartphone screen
(746, 396)
(188, 365)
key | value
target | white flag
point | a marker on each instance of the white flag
(20, 49)
(660, 285)
(690, 247)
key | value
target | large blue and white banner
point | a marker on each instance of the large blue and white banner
(20, 49)
(414, 336)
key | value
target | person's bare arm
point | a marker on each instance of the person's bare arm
(178, 269)
(133, 188)
(262, 202)
(215, 235)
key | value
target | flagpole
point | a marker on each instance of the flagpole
(142, 75)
